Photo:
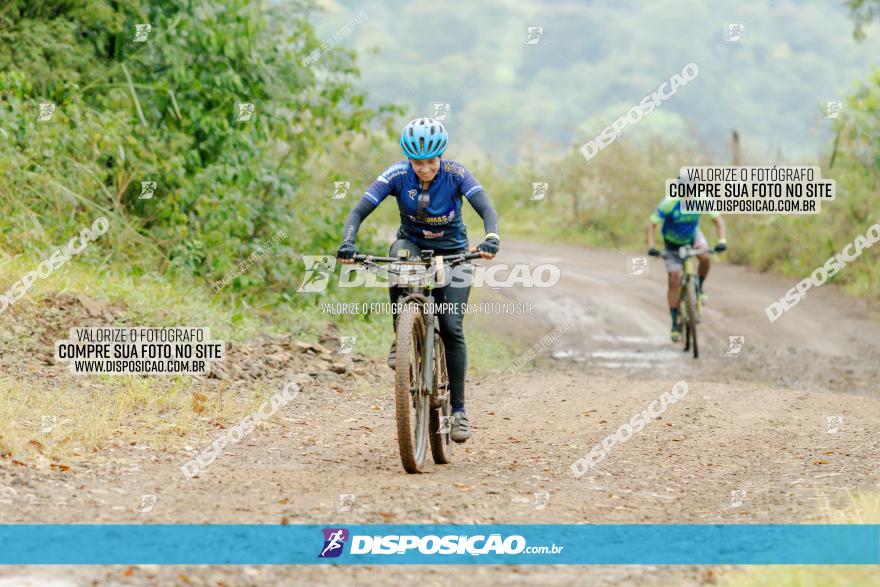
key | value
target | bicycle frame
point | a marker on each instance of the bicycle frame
(421, 294)
(689, 272)
(690, 256)
(691, 263)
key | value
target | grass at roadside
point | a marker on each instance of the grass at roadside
(68, 420)
(149, 299)
(862, 509)
(93, 411)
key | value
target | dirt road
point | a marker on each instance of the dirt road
(764, 423)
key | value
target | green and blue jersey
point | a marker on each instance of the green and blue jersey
(678, 228)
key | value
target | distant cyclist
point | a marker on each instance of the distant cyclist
(429, 194)
(681, 229)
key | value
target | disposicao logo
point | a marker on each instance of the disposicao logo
(404, 544)
(334, 541)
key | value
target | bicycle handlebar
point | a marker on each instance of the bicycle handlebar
(451, 259)
(693, 252)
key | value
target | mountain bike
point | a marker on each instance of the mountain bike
(691, 307)
(422, 403)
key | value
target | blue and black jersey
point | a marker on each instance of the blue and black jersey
(432, 222)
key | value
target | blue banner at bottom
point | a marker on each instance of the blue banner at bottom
(569, 544)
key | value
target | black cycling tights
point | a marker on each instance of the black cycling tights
(451, 324)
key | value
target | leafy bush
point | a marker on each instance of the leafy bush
(167, 111)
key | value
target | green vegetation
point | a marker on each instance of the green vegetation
(606, 203)
(167, 110)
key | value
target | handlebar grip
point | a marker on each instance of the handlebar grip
(376, 259)
(360, 257)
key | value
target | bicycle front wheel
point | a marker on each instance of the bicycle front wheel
(441, 412)
(411, 402)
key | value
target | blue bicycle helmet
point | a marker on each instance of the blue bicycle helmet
(423, 138)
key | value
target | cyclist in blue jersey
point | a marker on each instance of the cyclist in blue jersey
(678, 230)
(429, 193)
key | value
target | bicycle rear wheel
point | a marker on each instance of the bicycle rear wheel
(692, 315)
(441, 439)
(411, 405)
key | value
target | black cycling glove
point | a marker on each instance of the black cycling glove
(490, 245)
(346, 251)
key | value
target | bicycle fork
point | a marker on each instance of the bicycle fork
(428, 348)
